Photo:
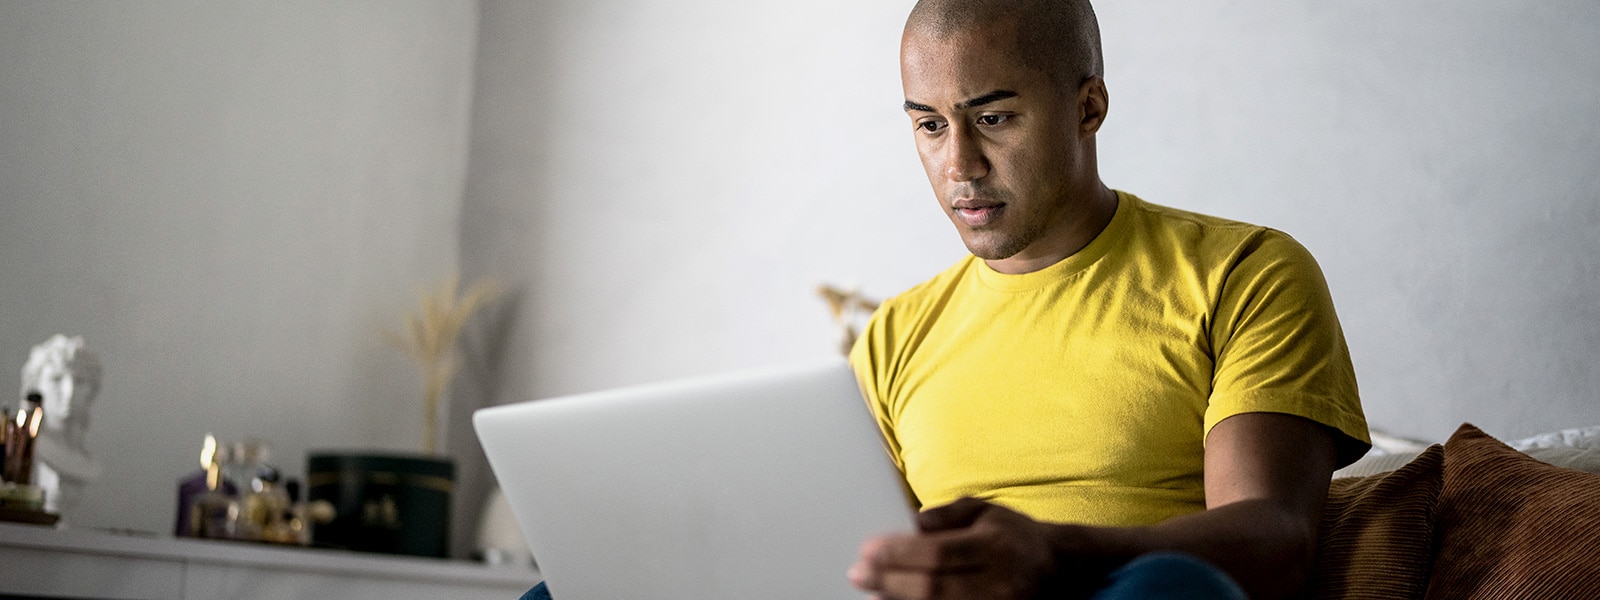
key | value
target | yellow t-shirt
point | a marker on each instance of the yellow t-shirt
(1083, 392)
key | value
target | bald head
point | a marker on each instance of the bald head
(1061, 38)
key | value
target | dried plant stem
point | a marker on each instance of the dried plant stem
(433, 390)
(846, 305)
(430, 338)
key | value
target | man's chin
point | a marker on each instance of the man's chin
(991, 247)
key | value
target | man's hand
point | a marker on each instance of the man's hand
(966, 549)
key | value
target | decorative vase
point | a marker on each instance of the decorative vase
(390, 503)
(500, 540)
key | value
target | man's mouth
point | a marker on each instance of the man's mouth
(977, 213)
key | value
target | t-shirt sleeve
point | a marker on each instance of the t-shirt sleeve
(869, 359)
(1278, 345)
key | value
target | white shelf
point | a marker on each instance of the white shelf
(98, 564)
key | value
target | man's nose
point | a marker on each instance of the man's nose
(964, 160)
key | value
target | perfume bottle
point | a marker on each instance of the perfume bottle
(5, 441)
(268, 507)
(254, 484)
(213, 513)
(21, 429)
(190, 488)
(299, 523)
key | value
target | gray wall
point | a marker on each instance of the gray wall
(668, 180)
(229, 200)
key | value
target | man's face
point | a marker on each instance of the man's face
(999, 141)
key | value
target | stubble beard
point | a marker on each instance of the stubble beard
(994, 243)
(1001, 239)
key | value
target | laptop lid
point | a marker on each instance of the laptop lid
(760, 484)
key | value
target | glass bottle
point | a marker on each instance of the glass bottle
(215, 514)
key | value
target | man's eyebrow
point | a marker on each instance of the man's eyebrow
(994, 96)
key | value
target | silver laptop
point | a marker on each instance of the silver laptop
(760, 484)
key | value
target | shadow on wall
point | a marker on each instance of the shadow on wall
(485, 348)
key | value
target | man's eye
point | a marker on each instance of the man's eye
(930, 126)
(991, 119)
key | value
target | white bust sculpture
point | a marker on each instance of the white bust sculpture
(67, 376)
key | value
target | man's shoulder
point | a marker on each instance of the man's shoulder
(898, 318)
(1173, 220)
(1207, 237)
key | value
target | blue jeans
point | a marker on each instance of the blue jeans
(1154, 576)
(1169, 576)
(539, 592)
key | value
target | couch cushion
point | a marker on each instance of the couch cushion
(1376, 536)
(1510, 526)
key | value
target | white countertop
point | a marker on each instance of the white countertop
(247, 554)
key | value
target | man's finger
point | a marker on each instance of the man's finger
(954, 515)
(865, 573)
(908, 585)
(942, 551)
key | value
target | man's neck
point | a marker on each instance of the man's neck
(1082, 224)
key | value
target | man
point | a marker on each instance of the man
(1104, 378)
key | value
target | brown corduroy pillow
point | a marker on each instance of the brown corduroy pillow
(1376, 537)
(1511, 527)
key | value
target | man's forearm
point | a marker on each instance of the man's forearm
(1264, 547)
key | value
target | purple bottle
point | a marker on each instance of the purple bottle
(191, 487)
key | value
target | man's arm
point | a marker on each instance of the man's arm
(1266, 477)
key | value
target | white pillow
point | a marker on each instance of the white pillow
(1384, 443)
(1583, 437)
(1373, 464)
(1571, 448)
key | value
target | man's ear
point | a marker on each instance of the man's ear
(1093, 102)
